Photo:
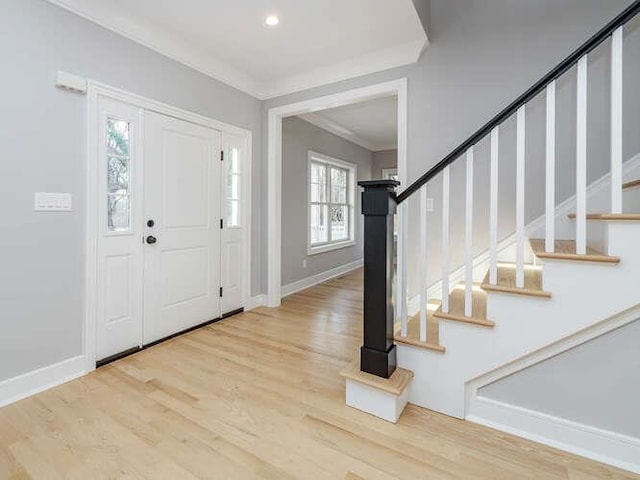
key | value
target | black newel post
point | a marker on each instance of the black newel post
(378, 353)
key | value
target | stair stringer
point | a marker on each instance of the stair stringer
(583, 294)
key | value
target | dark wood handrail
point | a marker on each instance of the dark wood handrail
(565, 65)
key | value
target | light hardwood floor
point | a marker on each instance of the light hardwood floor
(256, 396)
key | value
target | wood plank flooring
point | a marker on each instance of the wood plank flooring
(257, 395)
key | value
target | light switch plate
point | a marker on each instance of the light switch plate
(52, 202)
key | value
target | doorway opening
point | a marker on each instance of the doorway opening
(324, 213)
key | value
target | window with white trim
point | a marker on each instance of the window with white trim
(332, 184)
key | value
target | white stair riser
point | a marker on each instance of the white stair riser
(374, 401)
(526, 324)
(631, 200)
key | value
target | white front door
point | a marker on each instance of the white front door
(171, 233)
(181, 227)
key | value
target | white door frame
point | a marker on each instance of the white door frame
(274, 160)
(95, 91)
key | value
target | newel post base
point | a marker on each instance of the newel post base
(378, 352)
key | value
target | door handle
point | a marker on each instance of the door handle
(151, 239)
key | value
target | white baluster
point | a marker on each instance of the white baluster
(423, 264)
(401, 271)
(493, 208)
(445, 240)
(616, 121)
(550, 189)
(468, 237)
(520, 190)
(581, 159)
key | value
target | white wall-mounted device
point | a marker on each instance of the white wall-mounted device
(52, 202)
(73, 83)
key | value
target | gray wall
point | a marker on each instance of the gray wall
(43, 137)
(383, 159)
(595, 383)
(482, 55)
(423, 8)
(298, 137)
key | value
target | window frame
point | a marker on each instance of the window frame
(228, 155)
(352, 175)
(130, 195)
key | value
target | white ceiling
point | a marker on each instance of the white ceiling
(317, 41)
(372, 124)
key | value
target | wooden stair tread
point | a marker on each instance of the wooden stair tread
(566, 250)
(610, 216)
(395, 384)
(456, 307)
(631, 184)
(413, 331)
(507, 281)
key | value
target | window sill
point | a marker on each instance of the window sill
(330, 247)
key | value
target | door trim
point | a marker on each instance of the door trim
(274, 162)
(95, 91)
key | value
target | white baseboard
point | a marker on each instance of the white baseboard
(320, 277)
(604, 446)
(255, 302)
(36, 381)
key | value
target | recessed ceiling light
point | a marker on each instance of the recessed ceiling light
(271, 20)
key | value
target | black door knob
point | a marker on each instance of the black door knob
(151, 239)
(150, 223)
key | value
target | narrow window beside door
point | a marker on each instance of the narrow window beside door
(118, 176)
(232, 161)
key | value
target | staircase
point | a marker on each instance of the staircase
(536, 290)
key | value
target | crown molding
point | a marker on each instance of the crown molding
(321, 121)
(161, 42)
(385, 59)
(202, 60)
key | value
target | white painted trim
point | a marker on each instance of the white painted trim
(468, 235)
(255, 302)
(550, 163)
(422, 252)
(493, 206)
(595, 443)
(166, 44)
(321, 158)
(520, 193)
(446, 247)
(617, 60)
(374, 401)
(481, 262)
(320, 277)
(200, 59)
(549, 351)
(581, 156)
(320, 121)
(95, 91)
(274, 160)
(599, 444)
(41, 379)
(397, 56)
